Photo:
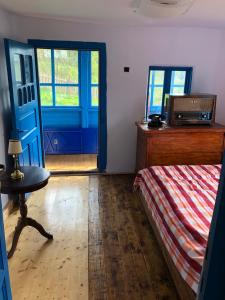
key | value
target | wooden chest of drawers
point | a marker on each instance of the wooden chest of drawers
(179, 145)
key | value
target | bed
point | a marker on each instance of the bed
(179, 202)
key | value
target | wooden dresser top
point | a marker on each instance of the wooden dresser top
(165, 129)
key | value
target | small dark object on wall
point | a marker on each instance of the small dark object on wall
(156, 121)
(127, 69)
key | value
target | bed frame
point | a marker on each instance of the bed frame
(184, 291)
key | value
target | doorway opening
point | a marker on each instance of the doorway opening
(69, 95)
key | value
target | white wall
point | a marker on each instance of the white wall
(138, 47)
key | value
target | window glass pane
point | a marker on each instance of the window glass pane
(177, 90)
(46, 95)
(157, 96)
(18, 68)
(66, 66)
(67, 95)
(159, 77)
(44, 65)
(28, 66)
(94, 67)
(155, 100)
(179, 77)
(94, 96)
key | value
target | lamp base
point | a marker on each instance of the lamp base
(17, 175)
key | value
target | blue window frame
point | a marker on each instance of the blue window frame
(166, 80)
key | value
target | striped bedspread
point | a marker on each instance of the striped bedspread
(181, 200)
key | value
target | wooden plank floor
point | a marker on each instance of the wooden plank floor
(125, 261)
(75, 162)
(58, 269)
(106, 251)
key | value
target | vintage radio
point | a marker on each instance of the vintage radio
(197, 109)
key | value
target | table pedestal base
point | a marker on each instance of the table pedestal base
(23, 222)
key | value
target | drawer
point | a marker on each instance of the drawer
(186, 142)
(194, 158)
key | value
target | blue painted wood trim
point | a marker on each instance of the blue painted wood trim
(67, 44)
(101, 47)
(39, 109)
(212, 285)
(6, 289)
(85, 85)
(53, 76)
(59, 84)
(147, 97)
(103, 110)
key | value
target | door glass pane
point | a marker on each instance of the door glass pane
(44, 65)
(67, 95)
(94, 96)
(18, 68)
(66, 66)
(46, 95)
(94, 67)
(28, 69)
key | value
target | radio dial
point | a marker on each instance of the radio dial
(180, 116)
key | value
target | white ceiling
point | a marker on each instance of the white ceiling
(207, 13)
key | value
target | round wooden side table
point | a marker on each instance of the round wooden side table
(34, 179)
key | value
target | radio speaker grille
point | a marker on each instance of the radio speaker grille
(193, 104)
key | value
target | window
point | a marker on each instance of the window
(166, 80)
(59, 77)
(68, 77)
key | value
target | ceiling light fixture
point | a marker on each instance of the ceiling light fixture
(161, 8)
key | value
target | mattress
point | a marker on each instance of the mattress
(181, 200)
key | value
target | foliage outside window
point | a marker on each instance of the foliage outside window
(94, 78)
(58, 76)
(60, 79)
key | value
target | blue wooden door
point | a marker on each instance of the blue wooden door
(21, 69)
(5, 290)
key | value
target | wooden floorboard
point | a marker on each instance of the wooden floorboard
(56, 270)
(125, 261)
(103, 246)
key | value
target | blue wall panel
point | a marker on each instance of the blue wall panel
(70, 141)
(63, 132)
(61, 118)
(90, 140)
(93, 118)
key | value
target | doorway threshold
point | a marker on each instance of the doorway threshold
(75, 173)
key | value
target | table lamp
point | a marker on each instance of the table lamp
(15, 149)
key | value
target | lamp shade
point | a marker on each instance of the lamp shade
(15, 147)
